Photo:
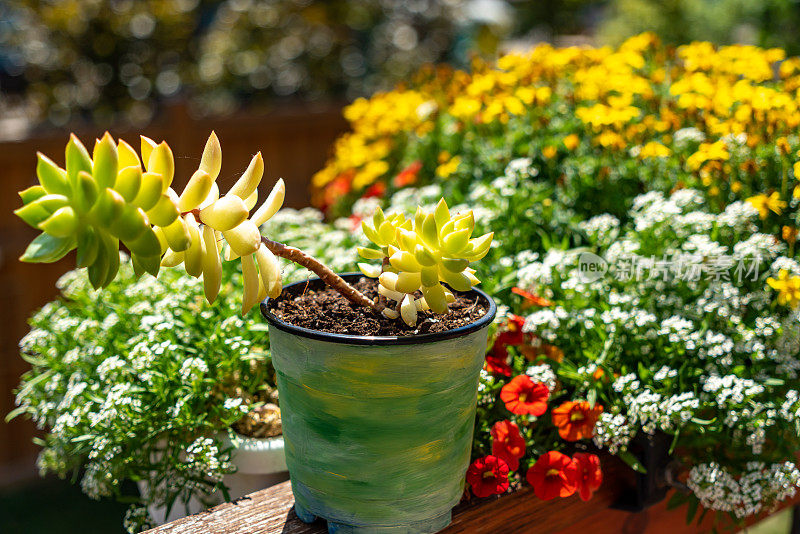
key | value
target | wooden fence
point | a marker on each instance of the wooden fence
(294, 140)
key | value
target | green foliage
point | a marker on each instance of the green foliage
(769, 23)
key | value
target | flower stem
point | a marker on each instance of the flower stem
(325, 274)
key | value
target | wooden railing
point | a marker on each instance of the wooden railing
(294, 141)
(269, 511)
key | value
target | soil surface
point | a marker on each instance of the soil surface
(324, 309)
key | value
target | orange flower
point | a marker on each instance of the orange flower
(549, 152)
(789, 234)
(553, 353)
(530, 298)
(375, 190)
(524, 396)
(507, 443)
(408, 175)
(576, 420)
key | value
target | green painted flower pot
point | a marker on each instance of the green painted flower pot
(377, 430)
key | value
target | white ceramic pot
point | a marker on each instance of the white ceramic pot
(260, 463)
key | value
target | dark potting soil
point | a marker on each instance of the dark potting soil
(327, 311)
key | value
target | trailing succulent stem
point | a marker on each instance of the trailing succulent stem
(324, 272)
(116, 195)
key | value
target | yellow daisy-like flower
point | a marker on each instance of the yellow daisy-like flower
(788, 288)
(708, 152)
(445, 170)
(764, 204)
(571, 142)
(654, 149)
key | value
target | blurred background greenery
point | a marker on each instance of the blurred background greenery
(111, 61)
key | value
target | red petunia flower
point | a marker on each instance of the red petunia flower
(576, 420)
(497, 360)
(507, 443)
(524, 396)
(375, 190)
(553, 475)
(408, 175)
(488, 476)
(531, 299)
(590, 477)
(334, 191)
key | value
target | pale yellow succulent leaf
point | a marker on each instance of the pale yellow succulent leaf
(369, 270)
(244, 239)
(408, 311)
(225, 214)
(250, 179)
(197, 189)
(211, 264)
(211, 160)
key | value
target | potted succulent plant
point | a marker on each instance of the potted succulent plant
(377, 374)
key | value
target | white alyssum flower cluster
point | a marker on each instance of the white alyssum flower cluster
(744, 494)
(544, 374)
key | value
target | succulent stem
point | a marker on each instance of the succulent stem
(330, 278)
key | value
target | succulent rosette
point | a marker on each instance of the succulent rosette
(418, 255)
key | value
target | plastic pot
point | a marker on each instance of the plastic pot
(650, 487)
(377, 430)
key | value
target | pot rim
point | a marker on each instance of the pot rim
(349, 339)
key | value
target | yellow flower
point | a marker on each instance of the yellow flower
(571, 141)
(708, 152)
(788, 288)
(783, 145)
(796, 169)
(764, 204)
(445, 170)
(789, 234)
(549, 152)
(371, 172)
(654, 149)
(465, 107)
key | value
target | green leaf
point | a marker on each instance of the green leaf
(32, 193)
(52, 177)
(691, 510)
(632, 461)
(77, 159)
(47, 249)
(678, 498)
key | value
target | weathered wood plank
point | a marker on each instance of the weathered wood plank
(269, 511)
